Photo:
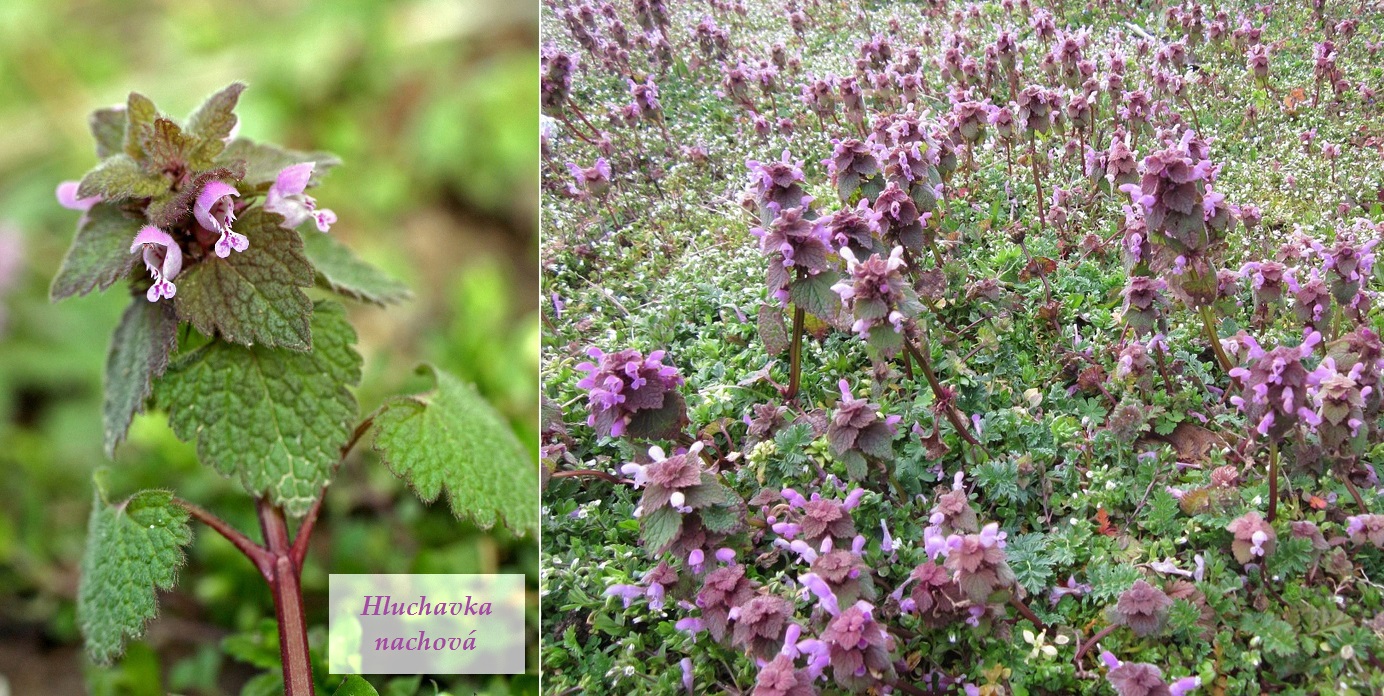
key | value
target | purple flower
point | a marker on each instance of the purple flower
(624, 383)
(1276, 388)
(215, 211)
(759, 624)
(686, 665)
(287, 198)
(857, 431)
(858, 645)
(164, 259)
(1254, 538)
(67, 197)
(779, 677)
(1366, 528)
(1072, 587)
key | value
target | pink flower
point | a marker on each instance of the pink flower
(67, 197)
(162, 257)
(287, 198)
(215, 211)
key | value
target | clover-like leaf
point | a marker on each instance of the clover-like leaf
(264, 162)
(255, 296)
(212, 123)
(453, 439)
(120, 177)
(273, 419)
(108, 130)
(133, 549)
(99, 255)
(343, 273)
(140, 347)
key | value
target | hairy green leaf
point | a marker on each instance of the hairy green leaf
(263, 162)
(145, 337)
(255, 296)
(273, 419)
(140, 114)
(814, 294)
(452, 438)
(132, 550)
(341, 272)
(212, 123)
(659, 527)
(662, 423)
(108, 129)
(119, 177)
(99, 255)
(166, 147)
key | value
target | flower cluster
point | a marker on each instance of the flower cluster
(1142, 607)
(792, 242)
(624, 383)
(1254, 538)
(877, 295)
(857, 431)
(1276, 388)
(1183, 217)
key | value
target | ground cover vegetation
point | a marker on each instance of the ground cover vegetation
(986, 348)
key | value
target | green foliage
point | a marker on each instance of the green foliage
(340, 271)
(139, 353)
(451, 439)
(273, 419)
(133, 549)
(659, 527)
(356, 686)
(100, 254)
(120, 177)
(263, 162)
(814, 294)
(256, 296)
(212, 123)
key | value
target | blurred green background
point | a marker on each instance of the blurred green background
(432, 105)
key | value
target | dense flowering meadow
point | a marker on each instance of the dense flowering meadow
(962, 348)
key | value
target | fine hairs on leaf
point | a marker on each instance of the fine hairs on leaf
(133, 549)
(274, 419)
(451, 439)
(100, 255)
(139, 353)
(266, 283)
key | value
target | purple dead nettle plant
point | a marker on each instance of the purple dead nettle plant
(1185, 222)
(625, 384)
(798, 247)
(1277, 395)
(218, 239)
(859, 435)
(1143, 679)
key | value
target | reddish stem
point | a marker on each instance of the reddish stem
(1085, 647)
(256, 553)
(288, 601)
